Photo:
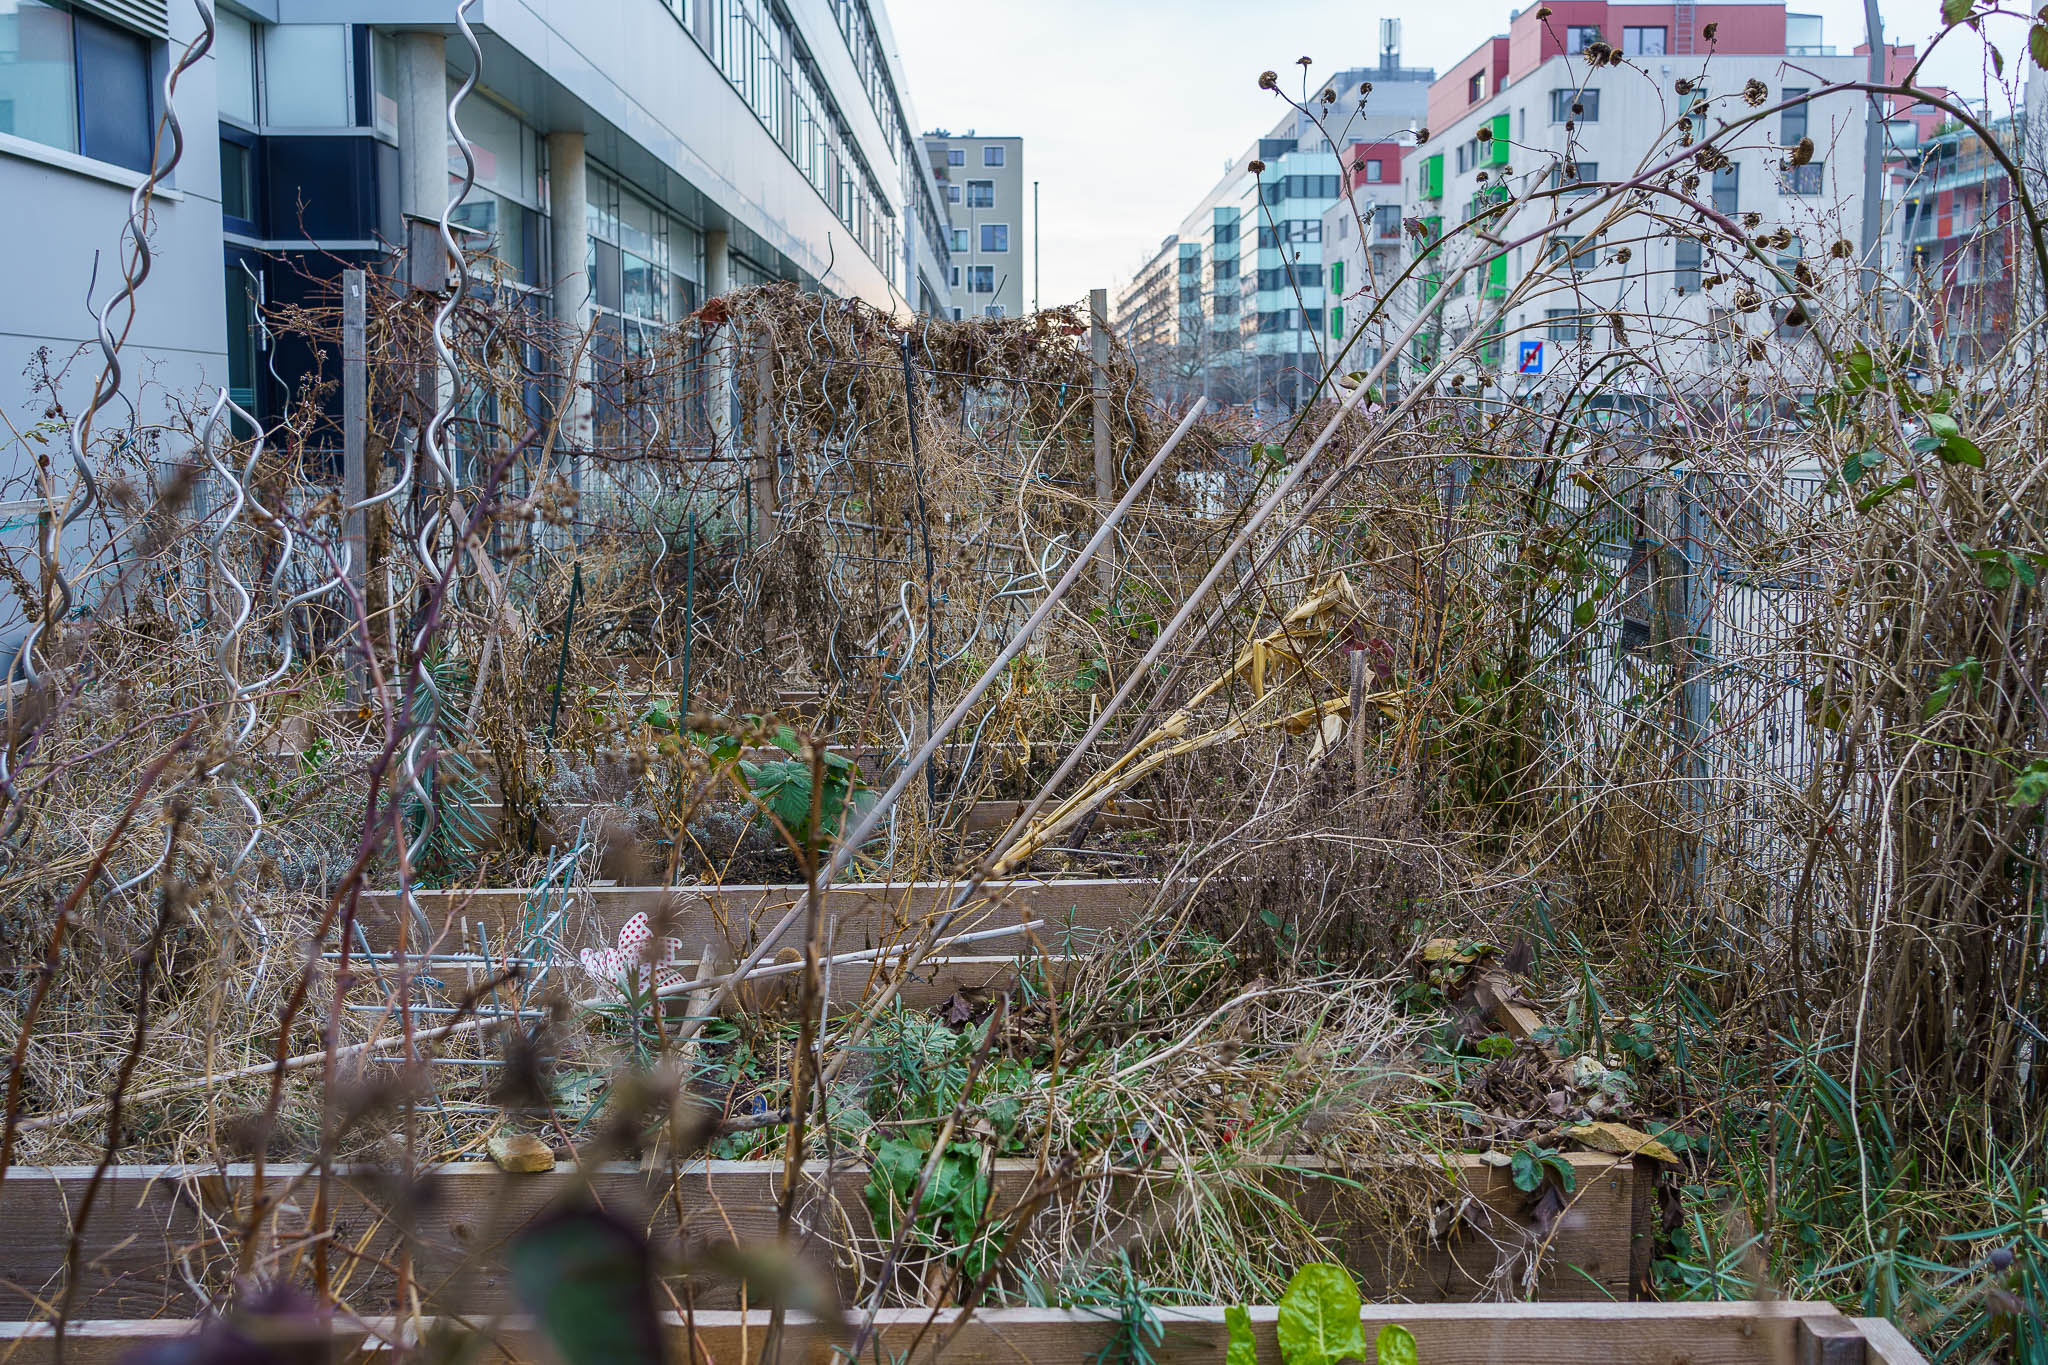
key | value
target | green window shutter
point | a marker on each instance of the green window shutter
(1433, 229)
(1433, 177)
(1337, 323)
(1497, 277)
(1497, 150)
(1336, 277)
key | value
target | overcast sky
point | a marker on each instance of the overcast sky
(1129, 108)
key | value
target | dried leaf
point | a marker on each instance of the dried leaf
(521, 1153)
(1618, 1139)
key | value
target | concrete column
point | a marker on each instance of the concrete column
(722, 344)
(568, 202)
(717, 265)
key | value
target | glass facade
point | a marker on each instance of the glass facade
(76, 84)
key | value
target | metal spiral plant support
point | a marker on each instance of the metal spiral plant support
(434, 439)
(135, 270)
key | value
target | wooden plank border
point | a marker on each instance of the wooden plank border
(157, 1231)
(1752, 1333)
(861, 915)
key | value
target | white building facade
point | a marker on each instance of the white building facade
(1533, 121)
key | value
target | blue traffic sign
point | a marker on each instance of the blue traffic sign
(1532, 358)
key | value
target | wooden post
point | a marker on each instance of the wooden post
(1105, 480)
(355, 434)
(763, 475)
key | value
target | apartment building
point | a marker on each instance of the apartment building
(1145, 309)
(633, 157)
(1249, 323)
(987, 202)
(1532, 116)
(1958, 233)
(1362, 249)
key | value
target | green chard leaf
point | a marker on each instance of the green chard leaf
(1396, 1346)
(1243, 1349)
(1318, 1322)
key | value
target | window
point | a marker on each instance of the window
(1642, 42)
(234, 68)
(981, 194)
(1727, 187)
(306, 76)
(1269, 238)
(1224, 232)
(992, 156)
(1567, 324)
(1579, 37)
(956, 156)
(995, 236)
(1191, 293)
(1573, 254)
(511, 233)
(1306, 275)
(1724, 331)
(959, 239)
(244, 338)
(1685, 274)
(1792, 122)
(237, 181)
(1575, 175)
(1803, 179)
(956, 277)
(1575, 106)
(1375, 172)
(1475, 88)
(384, 82)
(1286, 187)
(981, 279)
(952, 194)
(1226, 268)
(993, 310)
(71, 82)
(956, 315)
(114, 94)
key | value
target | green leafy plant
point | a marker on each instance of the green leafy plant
(783, 787)
(949, 1216)
(455, 789)
(1532, 1165)
(1318, 1324)
(1965, 676)
(2030, 784)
